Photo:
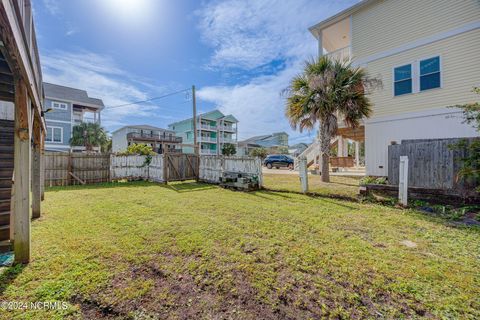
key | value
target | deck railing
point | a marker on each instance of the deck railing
(341, 54)
(156, 137)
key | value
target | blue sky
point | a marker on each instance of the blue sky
(240, 54)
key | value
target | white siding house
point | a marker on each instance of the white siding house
(427, 54)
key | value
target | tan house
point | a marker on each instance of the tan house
(427, 54)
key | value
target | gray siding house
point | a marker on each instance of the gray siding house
(67, 107)
(159, 139)
(269, 141)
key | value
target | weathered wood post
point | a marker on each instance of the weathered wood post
(302, 169)
(403, 181)
(42, 172)
(21, 187)
(36, 188)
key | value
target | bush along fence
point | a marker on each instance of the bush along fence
(71, 169)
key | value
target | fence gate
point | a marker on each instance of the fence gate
(180, 167)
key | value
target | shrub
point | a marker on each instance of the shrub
(138, 149)
(259, 152)
(229, 149)
(373, 180)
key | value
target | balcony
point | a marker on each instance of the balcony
(335, 40)
(342, 54)
(208, 152)
(205, 126)
(227, 128)
(153, 137)
(208, 139)
(227, 140)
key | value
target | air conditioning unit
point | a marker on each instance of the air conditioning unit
(239, 181)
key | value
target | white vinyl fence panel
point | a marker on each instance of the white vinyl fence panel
(212, 167)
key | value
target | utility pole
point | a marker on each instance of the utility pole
(194, 105)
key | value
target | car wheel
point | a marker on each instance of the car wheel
(269, 165)
(290, 166)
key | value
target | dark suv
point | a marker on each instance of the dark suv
(277, 161)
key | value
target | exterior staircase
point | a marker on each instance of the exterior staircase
(6, 174)
(312, 153)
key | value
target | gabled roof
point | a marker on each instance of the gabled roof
(76, 96)
(211, 115)
(339, 16)
(265, 136)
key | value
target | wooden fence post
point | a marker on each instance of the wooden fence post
(403, 181)
(21, 198)
(302, 168)
(36, 182)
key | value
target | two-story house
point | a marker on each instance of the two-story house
(272, 142)
(214, 129)
(67, 107)
(427, 54)
(159, 139)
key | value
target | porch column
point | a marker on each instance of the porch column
(357, 154)
(345, 148)
(42, 173)
(36, 180)
(21, 187)
(320, 44)
(340, 146)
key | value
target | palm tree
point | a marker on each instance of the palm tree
(328, 91)
(88, 135)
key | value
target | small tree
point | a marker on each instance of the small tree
(138, 149)
(229, 149)
(282, 150)
(328, 91)
(471, 163)
(88, 135)
(259, 152)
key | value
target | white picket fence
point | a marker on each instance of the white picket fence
(212, 167)
(134, 167)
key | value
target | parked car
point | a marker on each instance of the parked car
(278, 161)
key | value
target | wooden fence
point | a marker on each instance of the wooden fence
(76, 168)
(180, 167)
(212, 167)
(433, 164)
(71, 168)
(136, 167)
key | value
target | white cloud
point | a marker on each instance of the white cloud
(102, 78)
(249, 34)
(52, 6)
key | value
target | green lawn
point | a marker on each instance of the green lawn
(198, 251)
(339, 186)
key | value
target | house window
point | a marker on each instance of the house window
(430, 73)
(54, 134)
(59, 105)
(403, 80)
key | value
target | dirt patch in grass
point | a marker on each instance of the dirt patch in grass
(184, 295)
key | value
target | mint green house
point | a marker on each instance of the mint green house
(214, 129)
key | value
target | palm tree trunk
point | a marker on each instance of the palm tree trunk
(325, 153)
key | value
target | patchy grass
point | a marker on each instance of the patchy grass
(140, 250)
(339, 185)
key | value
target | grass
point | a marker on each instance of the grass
(148, 251)
(342, 186)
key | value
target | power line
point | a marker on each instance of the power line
(148, 100)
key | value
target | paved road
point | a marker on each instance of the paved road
(286, 171)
